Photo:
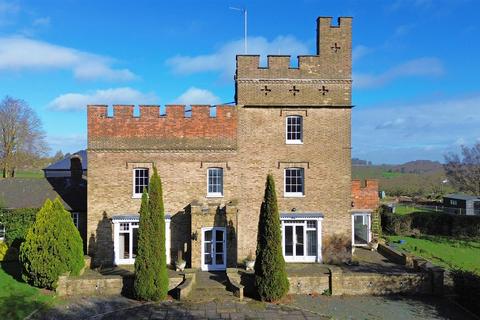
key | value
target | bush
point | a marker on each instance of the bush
(432, 223)
(151, 276)
(467, 286)
(17, 222)
(271, 279)
(3, 250)
(52, 247)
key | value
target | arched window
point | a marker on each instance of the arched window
(294, 130)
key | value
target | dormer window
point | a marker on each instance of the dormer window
(294, 130)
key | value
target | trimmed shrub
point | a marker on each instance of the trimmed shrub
(271, 280)
(151, 275)
(52, 247)
(17, 222)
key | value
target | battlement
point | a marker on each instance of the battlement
(332, 61)
(176, 129)
(329, 71)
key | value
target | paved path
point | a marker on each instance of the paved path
(211, 300)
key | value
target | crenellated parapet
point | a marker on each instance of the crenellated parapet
(175, 130)
(323, 79)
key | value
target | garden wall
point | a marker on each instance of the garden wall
(102, 285)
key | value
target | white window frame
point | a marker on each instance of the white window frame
(294, 141)
(453, 202)
(3, 232)
(302, 221)
(214, 194)
(134, 194)
(368, 216)
(116, 240)
(75, 218)
(293, 194)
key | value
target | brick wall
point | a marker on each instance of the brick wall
(248, 141)
(365, 197)
(151, 131)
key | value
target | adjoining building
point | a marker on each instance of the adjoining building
(462, 204)
(292, 122)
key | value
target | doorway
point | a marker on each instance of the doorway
(214, 245)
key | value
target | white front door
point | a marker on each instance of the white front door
(214, 255)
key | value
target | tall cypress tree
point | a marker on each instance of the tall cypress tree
(271, 279)
(151, 276)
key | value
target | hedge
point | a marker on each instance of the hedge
(467, 287)
(432, 223)
(17, 222)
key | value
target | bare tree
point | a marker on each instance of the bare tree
(21, 134)
(464, 172)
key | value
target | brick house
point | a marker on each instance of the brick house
(293, 122)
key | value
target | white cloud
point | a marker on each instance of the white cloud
(360, 51)
(223, 60)
(67, 143)
(197, 96)
(78, 101)
(414, 68)
(41, 22)
(8, 10)
(19, 53)
(425, 130)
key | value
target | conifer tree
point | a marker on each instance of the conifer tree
(151, 276)
(52, 247)
(271, 280)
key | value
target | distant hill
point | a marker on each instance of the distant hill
(418, 167)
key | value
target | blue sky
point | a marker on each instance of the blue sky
(415, 68)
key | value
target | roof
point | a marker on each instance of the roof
(64, 164)
(303, 215)
(135, 217)
(460, 196)
(32, 193)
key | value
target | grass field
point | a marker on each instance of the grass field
(444, 251)
(18, 299)
(33, 174)
(405, 209)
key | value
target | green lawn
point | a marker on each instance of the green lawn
(444, 251)
(36, 174)
(18, 299)
(405, 209)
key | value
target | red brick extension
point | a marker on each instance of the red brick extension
(365, 197)
(151, 124)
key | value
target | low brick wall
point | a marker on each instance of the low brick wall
(102, 285)
(350, 283)
(309, 285)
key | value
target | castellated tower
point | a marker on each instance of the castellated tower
(320, 80)
(317, 96)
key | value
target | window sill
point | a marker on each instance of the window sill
(293, 142)
(137, 196)
(214, 195)
(290, 195)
